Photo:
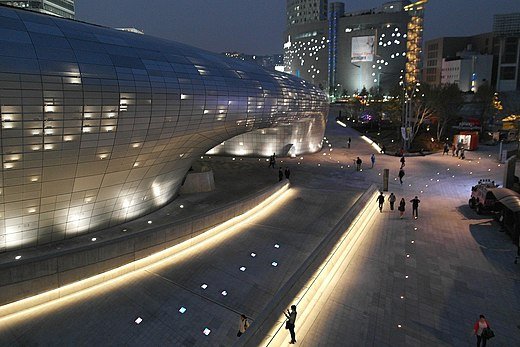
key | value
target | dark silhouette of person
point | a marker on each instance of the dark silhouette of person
(287, 173)
(381, 201)
(291, 320)
(391, 200)
(403, 161)
(280, 174)
(358, 163)
(272, 160)
(401, 208)
(401, 175)
(348, 142)
(415, 206)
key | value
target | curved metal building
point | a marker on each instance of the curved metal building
(100, 126)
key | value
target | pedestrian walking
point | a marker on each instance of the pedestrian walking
(415, 207)
(381, 201)
(287, 173)
(462, 155)
(280, 174)
(373, 159)
(391, 200)
(401, 208)
(482, 331)
(401, 175)
(243, 324)
(348, 142)
(446, 149)
(272, 161)
(402, 160)
(358, 163)
(453, 150)
(290, 323)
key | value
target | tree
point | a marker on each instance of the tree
(436, 104)
(485, 97)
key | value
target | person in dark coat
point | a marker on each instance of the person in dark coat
(401, 175)
(403, 161)
(401, 208)
(280, 174)
(415, 207)
(381, 201)
(391, 200)
(287, 173)
(373, 159)
(291, 321)
(358, 164)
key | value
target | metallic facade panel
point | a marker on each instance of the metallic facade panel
(100, 126)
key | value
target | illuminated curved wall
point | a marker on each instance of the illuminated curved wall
(100, 126)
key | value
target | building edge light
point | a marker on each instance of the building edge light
(320, 283)
(108, 280)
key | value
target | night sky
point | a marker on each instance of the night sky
(256, 26)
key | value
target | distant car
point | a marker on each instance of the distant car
(482, 197)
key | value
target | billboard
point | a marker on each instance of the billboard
(363, 48)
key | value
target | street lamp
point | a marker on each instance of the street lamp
(360, 76)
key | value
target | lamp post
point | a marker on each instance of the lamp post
(360, 76)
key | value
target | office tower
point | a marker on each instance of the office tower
(61, 8)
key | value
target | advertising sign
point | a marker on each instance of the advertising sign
(362, 48)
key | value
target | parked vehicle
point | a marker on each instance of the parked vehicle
(482, 197)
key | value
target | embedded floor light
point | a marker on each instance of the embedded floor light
(402, 296)
(138, 320)
(18, 257)
(399, 325)
(150, 222)
(253, 254)
(93, 239)
(182, 309)
(276, 245)
(408, 255)
(275, 264)
(406, 276)
(206, 331)
(204, 286)
(181, 206)
(243, 268)
(224, 293)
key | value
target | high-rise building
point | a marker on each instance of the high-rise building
(306, 11)
(506, 28)
(349, 51)
(448, 48)
(61, 8)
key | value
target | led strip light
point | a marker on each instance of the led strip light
(324, 279)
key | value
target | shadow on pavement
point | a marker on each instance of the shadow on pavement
(469, 213)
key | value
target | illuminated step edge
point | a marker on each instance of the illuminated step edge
(117, 276)
(314, 276)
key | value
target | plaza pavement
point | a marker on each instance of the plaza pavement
(459, 265)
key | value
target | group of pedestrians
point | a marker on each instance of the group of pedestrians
(281, 173)
(402, 204)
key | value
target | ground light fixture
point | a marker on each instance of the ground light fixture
(206, 331)
(138, 320)
(182, 310)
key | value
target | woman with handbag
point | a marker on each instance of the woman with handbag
(401, 207)
(289, 324)
(483, 331)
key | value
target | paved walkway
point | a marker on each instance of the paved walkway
(459, 266)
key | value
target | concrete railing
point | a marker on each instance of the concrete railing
(45, 271)
(284, 298)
